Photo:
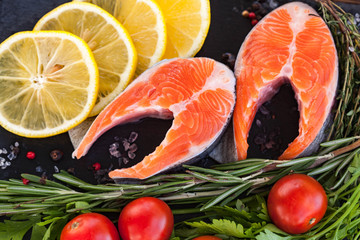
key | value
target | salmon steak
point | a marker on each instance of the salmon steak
(197, 93)
(292, 44)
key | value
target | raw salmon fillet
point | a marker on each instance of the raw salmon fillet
(291, 44)
(198, 93)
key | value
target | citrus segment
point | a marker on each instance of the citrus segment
(145, 23)
(49, 83)
(110, 43)
(187, 23)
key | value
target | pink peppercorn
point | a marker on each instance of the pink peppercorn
(254, 22)
(25, 181)
(252, 15)
(96, 166)
(30, 155)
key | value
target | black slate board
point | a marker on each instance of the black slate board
(227, 31)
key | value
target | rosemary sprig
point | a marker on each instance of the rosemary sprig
(197, 186)
(198, 190)
(347, 40)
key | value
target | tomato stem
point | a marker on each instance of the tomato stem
(74, 225)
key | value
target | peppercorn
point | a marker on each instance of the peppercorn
(252, 15)
(256, 6)
(56, 155)
(245, 13)
(229, 59)
(30, 155)
(71, 170)
(96, 166)
(25, 181)
(254, 22)
(43, 178)
(263, 12)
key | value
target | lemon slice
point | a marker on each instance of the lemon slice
(145, 23)
(110, 43)
(187, 24)
(48, 82)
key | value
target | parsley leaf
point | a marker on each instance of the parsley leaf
(16, 229)
(269, 235)
(222, 226)
(38, 232)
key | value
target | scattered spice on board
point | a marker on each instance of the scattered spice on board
(133, 136)
(30, 155)
(71, 170)
(113, 150)
(96, 166)
(258, 10)
(43, 178)
(229, 59)
(124, 148)
(56, 155)
(102, 175)
(38, 169)
(6, 157)
(267, 140)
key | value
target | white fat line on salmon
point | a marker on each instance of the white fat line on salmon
(297, 26)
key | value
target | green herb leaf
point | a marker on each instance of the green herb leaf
(222, 226)
(355, 164)
(38, 232)
(55, 228)
(15, 230)
(268, 235)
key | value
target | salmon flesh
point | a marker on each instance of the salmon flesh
(198, 93)
(292, 44)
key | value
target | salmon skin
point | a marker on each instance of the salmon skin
(291, 44)
(198, 93)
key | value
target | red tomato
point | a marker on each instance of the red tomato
(207, 237)
(90, 226)
(144, 217)
(296, 203)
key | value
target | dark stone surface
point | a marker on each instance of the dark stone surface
(228, 30)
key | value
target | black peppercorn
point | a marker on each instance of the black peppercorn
(263, 12)
(71, 170)
(229, 59)
(56, 155)
(256, 6)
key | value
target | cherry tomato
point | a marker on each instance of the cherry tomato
(296, 203)
(90, 226)
(207, 237)
(144, 217)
